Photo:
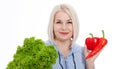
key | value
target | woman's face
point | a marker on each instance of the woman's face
(62, 27)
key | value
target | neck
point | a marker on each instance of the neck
(64, 44)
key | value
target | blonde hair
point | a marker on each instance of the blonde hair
(70, 11)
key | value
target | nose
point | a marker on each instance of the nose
(64, 26)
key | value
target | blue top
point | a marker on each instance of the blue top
(74, 60)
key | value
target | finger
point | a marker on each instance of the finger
(85, 50)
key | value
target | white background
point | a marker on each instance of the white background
(25, 18)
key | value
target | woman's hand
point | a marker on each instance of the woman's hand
(90, 61)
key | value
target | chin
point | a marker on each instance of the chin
(64, 38)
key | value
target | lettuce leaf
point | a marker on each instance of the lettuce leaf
(34, 54)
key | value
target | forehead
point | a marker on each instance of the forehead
(62, 15)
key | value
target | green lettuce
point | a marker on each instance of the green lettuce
(34, 54)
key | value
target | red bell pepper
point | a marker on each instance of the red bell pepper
(91, 42)
(102, 42)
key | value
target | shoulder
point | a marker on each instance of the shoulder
(78, 48)
(48, 42)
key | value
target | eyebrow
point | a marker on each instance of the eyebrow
(67, 20)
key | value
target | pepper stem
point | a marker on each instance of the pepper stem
(91, 35)
(103, 34)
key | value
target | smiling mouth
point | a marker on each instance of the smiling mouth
(64, 33)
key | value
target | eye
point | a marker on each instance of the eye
(69, 22)
(58, 22)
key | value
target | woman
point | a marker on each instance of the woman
(63, 31)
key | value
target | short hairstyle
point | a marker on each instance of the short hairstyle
(71, 12)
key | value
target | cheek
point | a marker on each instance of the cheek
(71, 28)
(56, 29)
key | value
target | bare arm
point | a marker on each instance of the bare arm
(90, 65)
